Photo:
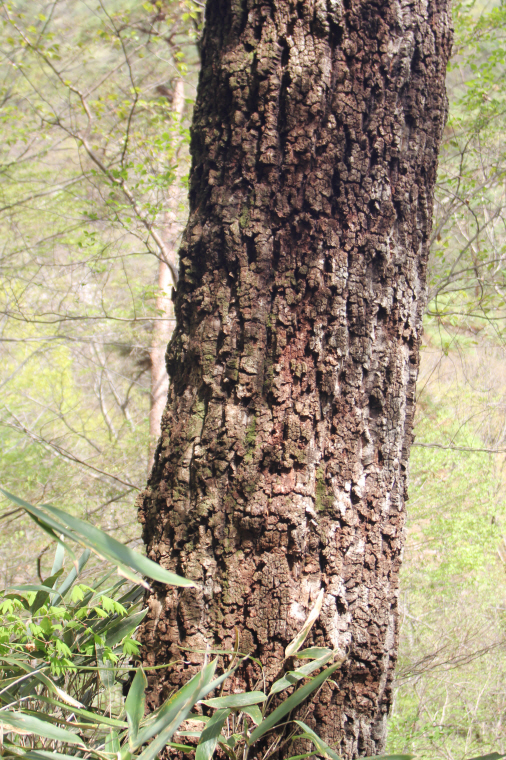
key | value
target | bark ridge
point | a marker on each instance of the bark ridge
(282, 466)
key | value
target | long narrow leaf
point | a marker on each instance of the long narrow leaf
(172, 707)
(291, 703)
(290, 678)
(210, 734)
(92, 717)
(236, 700)
(124, 627)
(74, 573)
(42, 754)
(298, 641)
(320, 745)
(58, 559)
(126, 560)
(135, 704)
(185, 708)
(495, 756)
(105, 545)
(254, 712)
(31, 725)
(46, 523)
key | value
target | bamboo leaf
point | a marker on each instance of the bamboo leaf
(112, 743)
(289, 704)
(71, 577)
(180, 710)
(181, 747)
(320, 745)
(124, 627)
(127, 561)
(412, 757)
(236, 700)
(135, 704)
(254, 713)
(290, 678)
(58, 558)
(315, 653)
(124, 557)
(210, 735)
(28, 724)
(42, 754)
(297, 642)
(97, 718)
(175, 704)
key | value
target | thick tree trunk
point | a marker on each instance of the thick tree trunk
(282, 465)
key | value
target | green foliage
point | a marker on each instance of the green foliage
(76, 631)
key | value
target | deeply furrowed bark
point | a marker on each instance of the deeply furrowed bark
(282, 466)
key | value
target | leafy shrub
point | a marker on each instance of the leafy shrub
(64, 651)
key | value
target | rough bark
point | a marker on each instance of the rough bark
(282, 466)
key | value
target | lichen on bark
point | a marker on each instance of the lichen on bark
(299, 316)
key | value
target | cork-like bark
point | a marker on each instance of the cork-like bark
(282, 466)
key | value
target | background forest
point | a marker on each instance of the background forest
(95, 106)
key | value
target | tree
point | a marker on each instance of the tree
(282, 465)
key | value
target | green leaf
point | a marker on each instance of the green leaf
(181, 747)
(297, 642)
(180, 710)
(124, 627)
(170, 709)
(320, 745)
(28, 724)
(42, 754)
(71, 577)
(47, 524)
(313, 653)
(290, 678)
(210, 734)
(135, 704)
(493, 756)
(58, 559)
(97, 718)
(236, 700)
(411, 757)
(112, 742)
(122, 556)
(106, 670)
(254, 713)
(126, 560)
(289, 704)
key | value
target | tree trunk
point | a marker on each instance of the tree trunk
(282, 465)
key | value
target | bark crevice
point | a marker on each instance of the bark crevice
(283, 460)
